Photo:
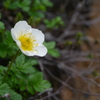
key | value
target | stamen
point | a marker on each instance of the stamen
(27, 41)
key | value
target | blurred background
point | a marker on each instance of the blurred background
(74, 25)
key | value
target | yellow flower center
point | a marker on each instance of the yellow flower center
(27, 41)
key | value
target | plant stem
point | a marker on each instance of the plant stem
(9, 65)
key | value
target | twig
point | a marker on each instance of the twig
(68, 86)
(72, 21)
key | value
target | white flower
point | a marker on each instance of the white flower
(28, 39)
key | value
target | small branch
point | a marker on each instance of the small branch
(73, 20)
(68, 86)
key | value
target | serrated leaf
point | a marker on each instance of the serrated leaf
(38, 88)
(54, 52)
(38, 83)
(50, 45)
(20, 61)
(27, 70)
(47, 84)
(41, 86)
(4, 89)
(31, 62)
(25, 66)
(36, 78)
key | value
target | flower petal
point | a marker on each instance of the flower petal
(14, 35)
(39, 36)
(28, 53)
(41, 50)
(21, 26)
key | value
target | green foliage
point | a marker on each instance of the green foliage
(19, 16)
(38, 7)
(69, 42)
(5, 89)
(47, 3)
(2, 69)
(90, 56)
(23, 77)
(26, 77)
(24, 4)
(78, 37)
(35, 9)
(51, 49)
(54, 23)
(50, 45)
(36, 81)
(41, 5)
(54, 53)
(23, 66)
(35, 20)
(7, 46)
(2, 25)
(95, 73)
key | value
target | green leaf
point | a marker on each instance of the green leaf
(14, 5)
(30, 89)
(22, 87)
(44, 84)
(54, 23)
(54, 52)
(3, 51)
(8, 40)
(25, 65)
(38, 83)
(37, 15)
(46, 21)
(24, 5)
(11, 4)
(78, 36)
(18, 17)
(2, 69)
(7, 45)
(5, 89)
(20, 60)
(36, 78)
(1, 78)
(31, 61)
(47, 3)
(27, 69)
(2, 25)
(50, 45)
